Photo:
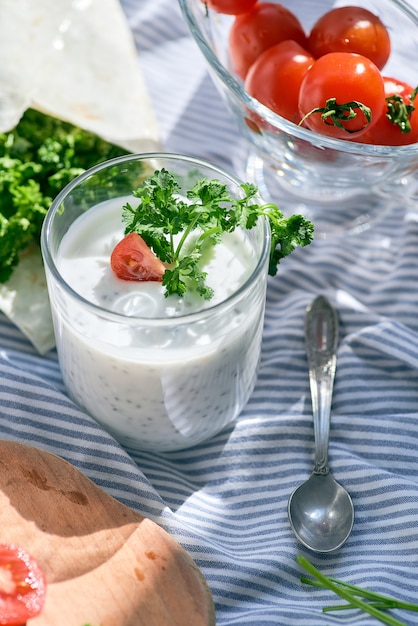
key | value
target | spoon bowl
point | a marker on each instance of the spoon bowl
(320, 510)
(321, 513)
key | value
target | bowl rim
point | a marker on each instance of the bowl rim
(318, 140)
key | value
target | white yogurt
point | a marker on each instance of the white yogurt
(84, 256)
(155, 372)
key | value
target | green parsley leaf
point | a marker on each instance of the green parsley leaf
(37, 159)
(208, 211)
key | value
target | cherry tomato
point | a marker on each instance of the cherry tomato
(275, 77)
(230, 7)
(132, 259)
(264, 26)
(351, 29)
(341, 78)
(22, 586)
(386, 132)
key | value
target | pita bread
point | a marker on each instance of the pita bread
(24, 299)
(75, 60)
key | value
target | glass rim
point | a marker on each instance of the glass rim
(280, 123)
(135, 319)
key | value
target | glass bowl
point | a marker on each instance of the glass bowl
(342, 186)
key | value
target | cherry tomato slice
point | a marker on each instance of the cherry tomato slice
(132, 259)
(230, 7)
(22, 586)
(386, 132)
(351, 29)
(345, 77)
(274, 79)
(264, 26)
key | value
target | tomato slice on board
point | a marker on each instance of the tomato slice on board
(132, 259)
(22, 586)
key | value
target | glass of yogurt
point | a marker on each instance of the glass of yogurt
(159, 373)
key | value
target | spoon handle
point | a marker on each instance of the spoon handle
(321, 338)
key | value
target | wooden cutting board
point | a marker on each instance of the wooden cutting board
(105, 564)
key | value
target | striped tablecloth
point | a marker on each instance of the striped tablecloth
(226, 501)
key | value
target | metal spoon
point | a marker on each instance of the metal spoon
(320, 510)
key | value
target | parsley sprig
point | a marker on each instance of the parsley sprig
(375, 604)
(179, 226)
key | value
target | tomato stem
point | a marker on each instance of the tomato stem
(400, 113)
(333, 114)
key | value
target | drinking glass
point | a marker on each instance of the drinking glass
(163, 382)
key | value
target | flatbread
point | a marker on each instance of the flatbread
(75, 60)
(24, 299)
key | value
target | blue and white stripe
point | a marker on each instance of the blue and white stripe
(226, 501)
